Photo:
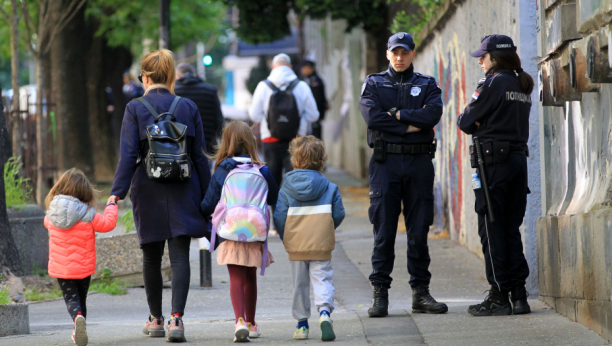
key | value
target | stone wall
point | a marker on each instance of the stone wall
(31, 237)
(121, 254)
(341, 63)
(444, 54)
(574, 237)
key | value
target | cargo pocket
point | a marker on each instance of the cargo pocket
(375, 202)
(427, 199)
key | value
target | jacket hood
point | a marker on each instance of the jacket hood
(305, 185)
(282, 75)
(231, 163)
(66, 211)
(188, 79)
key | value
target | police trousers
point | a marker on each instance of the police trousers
(406, 179)
(505, 263)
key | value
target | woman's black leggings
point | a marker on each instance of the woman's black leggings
(181, 273)
(75, 295)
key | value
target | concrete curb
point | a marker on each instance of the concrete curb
(19, 316)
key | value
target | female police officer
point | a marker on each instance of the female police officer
(499, 116)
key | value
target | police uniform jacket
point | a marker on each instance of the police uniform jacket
(416, 96)
(502, 109)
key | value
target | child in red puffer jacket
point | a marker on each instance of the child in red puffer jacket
(72, 222)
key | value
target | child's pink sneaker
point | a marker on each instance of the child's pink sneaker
(241, 334)
(79, 335)
(253, 330)
(155, 327)
(176, 330)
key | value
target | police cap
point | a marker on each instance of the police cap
(401, 39)
(494, 42)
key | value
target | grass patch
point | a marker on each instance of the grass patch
(128, 222)
(108, 285)
(35, 294)
(16, 188)
(4, 298)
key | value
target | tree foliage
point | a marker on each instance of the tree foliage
(413, 23)
(263, 21)
(128, 23)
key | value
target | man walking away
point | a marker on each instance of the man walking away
(309, 72)
(205, 96)
(284, 106)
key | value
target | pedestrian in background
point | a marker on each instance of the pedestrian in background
(308, 211)
(131, 89)
(311, 77)
(284, 106)
(72, 222)
(239, 148)
(206, 98)
(498, 115)
(401, 108)
(164, 211)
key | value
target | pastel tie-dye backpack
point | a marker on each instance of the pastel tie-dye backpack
(242, 213)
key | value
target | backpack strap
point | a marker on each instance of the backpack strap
(154, 112)
(149, 107)
(271, 85)
(293, 84)
(173, 105)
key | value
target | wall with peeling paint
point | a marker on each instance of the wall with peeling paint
(340, 59)
(446, 57)
(575, 234)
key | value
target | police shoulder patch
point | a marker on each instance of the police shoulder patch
(363, 87)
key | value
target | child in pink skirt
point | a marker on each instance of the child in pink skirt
(238, 146)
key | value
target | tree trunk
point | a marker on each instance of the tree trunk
(15, 116)
(57, 86)
(100, 118)
(73, 96)
(41, 189)
(9, 256)
(116, 61)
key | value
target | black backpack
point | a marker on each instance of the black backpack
(168, 158)
(283, 114)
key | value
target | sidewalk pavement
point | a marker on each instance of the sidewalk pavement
(457, 280)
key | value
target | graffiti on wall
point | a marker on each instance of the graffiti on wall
(449, 71)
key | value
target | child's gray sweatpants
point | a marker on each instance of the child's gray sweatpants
(321, 274)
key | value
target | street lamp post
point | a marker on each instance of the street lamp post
(164, 24)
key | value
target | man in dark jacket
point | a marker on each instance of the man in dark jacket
(205, 96)
(317, 87)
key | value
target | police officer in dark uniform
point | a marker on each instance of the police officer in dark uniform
(498, 115)
(309, 72)
(401, 108)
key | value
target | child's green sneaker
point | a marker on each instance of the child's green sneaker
(327, 328)
(301, 333)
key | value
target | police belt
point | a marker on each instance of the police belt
(410, 148)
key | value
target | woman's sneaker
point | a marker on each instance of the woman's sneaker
(176, 330)
(253, 330)
(327, 328)
(79, 335)
(301, 333)
(154, 327)
(241, 333)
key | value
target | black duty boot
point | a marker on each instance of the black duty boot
(380, 303)
(518, 296)
(495, 304)
(423, 302)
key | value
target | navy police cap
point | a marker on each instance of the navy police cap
(401, 39)
(494, 42)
